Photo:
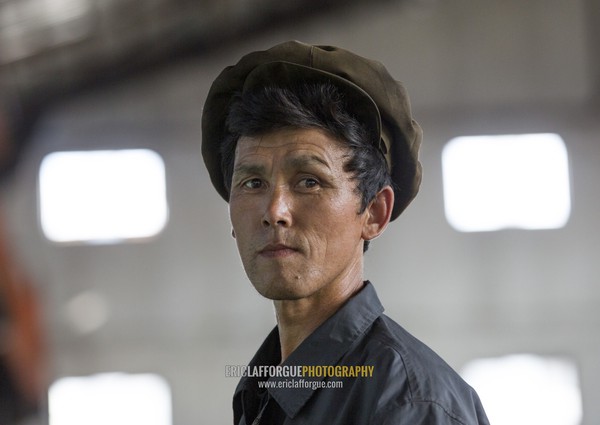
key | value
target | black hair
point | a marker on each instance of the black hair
(309, 105)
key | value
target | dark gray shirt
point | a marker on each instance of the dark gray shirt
(407, 384)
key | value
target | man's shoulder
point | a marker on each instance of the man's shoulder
(388, 335)
(404, 354)
(411, 374)
(395, 340)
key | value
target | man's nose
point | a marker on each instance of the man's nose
(278, 210)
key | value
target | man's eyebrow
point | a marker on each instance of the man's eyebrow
(248, 169)
(306, 160)
(292, 162)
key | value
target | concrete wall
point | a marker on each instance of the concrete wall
(181, 306)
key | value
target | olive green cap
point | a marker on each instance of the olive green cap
(373, 96)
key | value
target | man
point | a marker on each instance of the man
(316, 152)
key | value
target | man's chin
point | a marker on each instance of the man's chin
(277, 293)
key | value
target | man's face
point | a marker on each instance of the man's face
(294, 211)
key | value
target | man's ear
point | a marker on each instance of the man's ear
(378, 214)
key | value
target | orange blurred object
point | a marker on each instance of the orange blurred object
(22, 349)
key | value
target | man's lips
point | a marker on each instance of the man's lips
(277, 250)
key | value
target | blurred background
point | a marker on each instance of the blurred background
(122, 298)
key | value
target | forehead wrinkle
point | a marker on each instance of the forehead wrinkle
(259, 149)
(299, 161)
(294, 162)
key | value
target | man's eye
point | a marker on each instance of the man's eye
(253, 184)
(308, 183)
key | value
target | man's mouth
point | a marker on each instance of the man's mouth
(277, 250)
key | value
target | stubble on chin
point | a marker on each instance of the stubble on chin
(278, 289)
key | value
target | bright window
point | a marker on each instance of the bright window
(110, 398)
(102, 196)
(527, 389)
(508, 181)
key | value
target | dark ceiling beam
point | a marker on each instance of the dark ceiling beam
(123, 36)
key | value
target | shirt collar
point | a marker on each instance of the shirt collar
(324, 347)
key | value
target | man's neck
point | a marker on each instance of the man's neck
(297, 319)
